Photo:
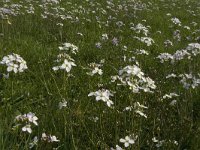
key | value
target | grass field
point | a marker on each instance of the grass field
(100, 75)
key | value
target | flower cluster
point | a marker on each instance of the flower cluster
(141, 28)
(133, 77)
(69, 48)
(147, 40)
(193, 49)
(64, 59)
(26, 120)
(165, 57)
(103, 95)
(14, 63)
(189, 80)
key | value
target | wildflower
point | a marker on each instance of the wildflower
(176, 21)
(141, 52)
(128, 140)
(80, 34)
(147, 40)
(139, 109)
(177, 35)
(128, 108)
(171, 95)
(173, 102)
(35, 141)
(69, 48)
(165, 57)
(154, 140)
(189, 80)
(135, 79)
(95, 69)
(120, 24)
(104, 37)
(62, 104)
(14, 63)
(171, 76)
(117, 148)
(95, 119)
(168, 43)
(186, 27)
(26, 120)
(67, 63)
(49, 138)
(103, 95)
(115, 41)
(141, 28)
(32, 118)
(98, 45)
(27, 128)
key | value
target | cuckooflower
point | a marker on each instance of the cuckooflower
(128, 140)
(103, 95)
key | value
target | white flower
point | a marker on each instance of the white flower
(35, 141)
(66, 63)
(14, 63)
(171, 76)
(26, 121)
(147, 40)
(62, 104)
(49, 138)
(176, 21)
(173, 103)
(165, 57)
(32, 118)
(27, 128)
(141, 52)
(103, 95)
(170, 95)
(141, 113)
(117, 148)
(139, 109)
(69, 47)
(168, 43)
(104, 37)
(131, 70)
(154, 140)
(139, 27)
(54, 139)
(128, 140)
(134, 78)
(95, 69)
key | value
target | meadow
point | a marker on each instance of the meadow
(99, 74)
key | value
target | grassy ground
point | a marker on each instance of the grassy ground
(85, 123)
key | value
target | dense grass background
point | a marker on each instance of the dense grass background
(40, 89)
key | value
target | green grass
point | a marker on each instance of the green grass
(39, 89)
